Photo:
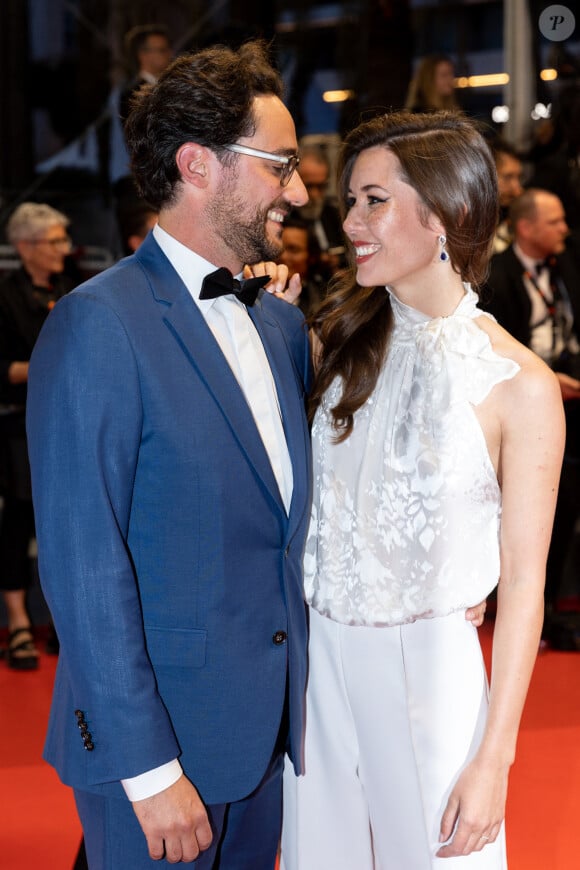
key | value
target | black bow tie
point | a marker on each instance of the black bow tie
(548, 263)
(222, 282)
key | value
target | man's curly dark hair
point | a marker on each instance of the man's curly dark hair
(204, 97)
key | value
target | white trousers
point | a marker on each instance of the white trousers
(392, 717)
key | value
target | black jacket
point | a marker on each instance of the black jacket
(506, 297)
(23, 310)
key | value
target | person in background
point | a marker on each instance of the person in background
(321, 211)
(434, 482)
(39, 234)
(432, 88)
(135, 222)
(301, 254)
(533, 290)
(509, 167)
(149, 52)
(171, 478)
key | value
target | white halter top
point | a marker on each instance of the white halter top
(406, 513)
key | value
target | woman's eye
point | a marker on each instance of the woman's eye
(373, 200)
(350, 200)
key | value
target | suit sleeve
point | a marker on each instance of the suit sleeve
(84, 420)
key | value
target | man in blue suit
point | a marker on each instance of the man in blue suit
(171, 481)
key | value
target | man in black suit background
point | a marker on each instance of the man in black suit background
(321, 212)
(149, 52)
(534, 292)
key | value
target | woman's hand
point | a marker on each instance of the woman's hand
(475, 810)
(476, 614)
(280, 286)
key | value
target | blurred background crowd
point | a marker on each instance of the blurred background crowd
(69, 208)
(66, 65)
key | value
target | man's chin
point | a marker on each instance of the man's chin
(273, 246)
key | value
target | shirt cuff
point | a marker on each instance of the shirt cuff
(137, 788)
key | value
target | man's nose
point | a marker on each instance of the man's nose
(296, 190)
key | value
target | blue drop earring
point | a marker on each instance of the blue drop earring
(443, 256)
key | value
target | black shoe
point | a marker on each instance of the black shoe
(21, 654)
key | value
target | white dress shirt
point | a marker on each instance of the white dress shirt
(550, 334)
(541, 324)
(240, 343)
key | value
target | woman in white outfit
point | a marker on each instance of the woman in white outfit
(437, 444)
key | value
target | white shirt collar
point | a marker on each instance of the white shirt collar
(191, 267)
(148, 77)
(529, 263)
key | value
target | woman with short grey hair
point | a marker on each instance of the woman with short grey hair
(39, 233)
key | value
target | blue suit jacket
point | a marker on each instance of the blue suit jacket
(165, 553)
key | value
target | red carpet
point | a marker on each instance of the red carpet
(39, 828)
(38, 823)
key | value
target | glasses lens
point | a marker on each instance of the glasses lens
(289, 169)
(63, 243)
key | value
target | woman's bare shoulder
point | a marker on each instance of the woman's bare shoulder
(535, 379)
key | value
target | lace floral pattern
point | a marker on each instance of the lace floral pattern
(406, 513)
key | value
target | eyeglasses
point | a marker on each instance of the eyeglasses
(64, 242)
(289, 163)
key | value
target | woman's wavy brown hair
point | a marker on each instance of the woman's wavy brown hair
(447, 161)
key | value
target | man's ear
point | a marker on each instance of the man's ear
(22, 248)
(192, 161)
(523, 228)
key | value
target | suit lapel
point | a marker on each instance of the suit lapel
(182, 316)
(291, 398)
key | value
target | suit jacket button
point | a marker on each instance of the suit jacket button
(279, 638)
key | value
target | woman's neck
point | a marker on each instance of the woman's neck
(439, 299)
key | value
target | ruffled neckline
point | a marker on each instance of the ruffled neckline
(455, 354)
(406, 314)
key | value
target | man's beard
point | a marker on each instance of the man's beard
(244, 235)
